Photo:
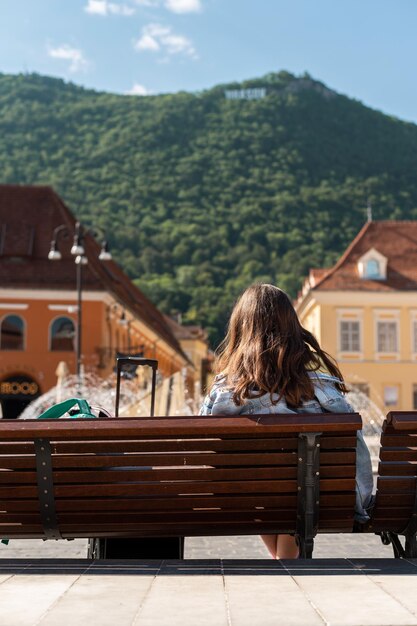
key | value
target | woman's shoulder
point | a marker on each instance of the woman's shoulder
(219, 400)
(321, 378)
(328, 394)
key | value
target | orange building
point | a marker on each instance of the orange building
(39, 307)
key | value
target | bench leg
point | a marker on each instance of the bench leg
(306, 547)
(388, 538)
(410, 547)
(96, 548)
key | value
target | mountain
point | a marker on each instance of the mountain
(204, 193)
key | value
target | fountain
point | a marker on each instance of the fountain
(97, 391)
(372, 418)
(172, 397)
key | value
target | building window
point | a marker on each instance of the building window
(391, 395)
(362, 388)
(12, 334)
(372, 265)
(62, 335)
(350, 336)
(387, 337)
(415, 397)
(372, 269)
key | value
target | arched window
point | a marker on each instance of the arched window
(372, 269)
(12, 334)
(62, 334)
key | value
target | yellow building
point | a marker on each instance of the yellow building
(363, 311)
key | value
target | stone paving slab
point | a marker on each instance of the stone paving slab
(330, 592)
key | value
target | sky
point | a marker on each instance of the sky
(366, 49)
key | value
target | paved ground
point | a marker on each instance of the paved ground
(320, 592)
(51, 584)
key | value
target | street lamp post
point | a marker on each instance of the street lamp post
(78, 251)
(126, 322)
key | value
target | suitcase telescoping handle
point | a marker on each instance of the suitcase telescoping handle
(137, 360)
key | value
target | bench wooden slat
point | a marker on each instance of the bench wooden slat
(402, 454)
(398, 440)
(180, 459)
(145, 460)
(162, 427)
(395, 499)
(264, 486)
(160, 445)
(397, 469)
(191, 516)
(387, 484)
(122, 475)
(402, 420)
(327, 500)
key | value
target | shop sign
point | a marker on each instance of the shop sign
(18, 388)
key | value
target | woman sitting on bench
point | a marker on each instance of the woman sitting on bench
(269, 363)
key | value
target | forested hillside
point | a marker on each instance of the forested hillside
(200, 194)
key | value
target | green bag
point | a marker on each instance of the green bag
(58, 410)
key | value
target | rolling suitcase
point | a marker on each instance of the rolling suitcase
(136, 547)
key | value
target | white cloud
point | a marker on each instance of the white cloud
(148, 3)
(147, 42)
(73, 55)
(156, 37)
(183, 6)
(104, 7)
(175, 6)
(138, 90)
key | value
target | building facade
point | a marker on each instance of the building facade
(363, 311)
(39, 304)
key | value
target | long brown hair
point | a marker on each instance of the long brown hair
(266, 350)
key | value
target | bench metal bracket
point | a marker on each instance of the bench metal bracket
(409, 551)
(387, 538)
(308, 497)
(44, 477)
(410, 532)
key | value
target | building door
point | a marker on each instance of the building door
(16, 392)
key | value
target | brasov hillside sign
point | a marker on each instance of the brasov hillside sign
(245, 94)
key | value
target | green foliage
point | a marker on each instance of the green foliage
(201, 195)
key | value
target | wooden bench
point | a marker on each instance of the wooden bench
(180, 476)
(395, 509)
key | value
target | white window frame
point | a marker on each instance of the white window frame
(390, 316)
(349, 315)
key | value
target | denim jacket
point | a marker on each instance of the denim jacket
(327, 399)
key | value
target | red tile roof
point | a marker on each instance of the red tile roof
(28, 217)
(397, 241)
